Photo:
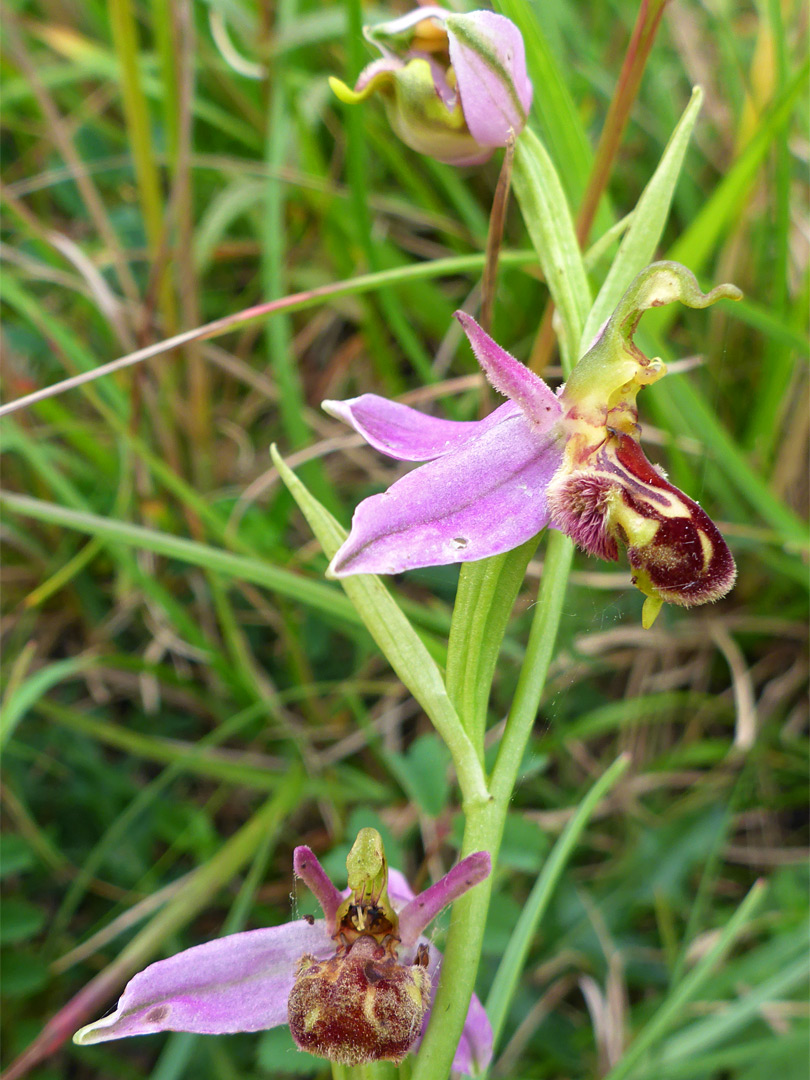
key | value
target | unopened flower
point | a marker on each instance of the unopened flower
(454, 86)
(571, 460)
(354, 987)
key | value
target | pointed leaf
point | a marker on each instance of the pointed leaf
(397, 639)
(649, 217)
(551, 228)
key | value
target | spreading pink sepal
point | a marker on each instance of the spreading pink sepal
(485, 497)
(307, 867)
(510, 377)
(404, 433)
(235, 983)
(423, 909)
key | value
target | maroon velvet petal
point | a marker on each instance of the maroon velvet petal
(235, 983)
(485, 497)
(405, 433)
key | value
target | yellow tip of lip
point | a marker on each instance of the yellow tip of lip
(649, 613)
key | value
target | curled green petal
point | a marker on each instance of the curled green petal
(426, 122)
(615, 369)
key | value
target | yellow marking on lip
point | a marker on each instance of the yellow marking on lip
(312, 1018)
(708, 548)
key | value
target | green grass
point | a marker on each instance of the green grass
(185, 698)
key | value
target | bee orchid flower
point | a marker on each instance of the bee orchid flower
(454, 86)
(354, 987)
(570, 460)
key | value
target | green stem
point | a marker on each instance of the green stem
(484, 600)
(532, 680)
(514, 958)
(485, 822)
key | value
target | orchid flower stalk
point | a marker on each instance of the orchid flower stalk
(361, 985)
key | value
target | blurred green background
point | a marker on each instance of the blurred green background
(185, 698)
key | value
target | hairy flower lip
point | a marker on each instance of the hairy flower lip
(687, 562)
(359, 1006)
(683, 559)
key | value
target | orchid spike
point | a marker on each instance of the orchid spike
(355, 986)
(454, 86)
(571, 460)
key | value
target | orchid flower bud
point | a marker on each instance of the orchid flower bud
(454, 86)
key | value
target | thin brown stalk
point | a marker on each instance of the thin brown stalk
(497, 219)
(627, 86)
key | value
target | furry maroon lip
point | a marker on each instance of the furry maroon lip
(682, 557)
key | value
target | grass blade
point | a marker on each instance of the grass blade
(396, 638)
(514, 958)
(683, 993)
(551, 228)
(649, 217)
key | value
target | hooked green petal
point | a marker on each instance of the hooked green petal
(614, 369)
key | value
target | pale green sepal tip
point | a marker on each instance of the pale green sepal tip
(88, 1035)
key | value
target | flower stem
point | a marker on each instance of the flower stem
(485, 822)
(484, 600)
(497, 218)
(372, 1070)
